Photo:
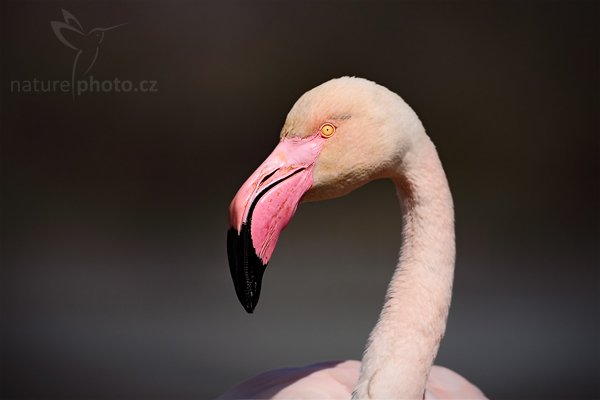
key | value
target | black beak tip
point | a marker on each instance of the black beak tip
(245, 266)
(249, 308)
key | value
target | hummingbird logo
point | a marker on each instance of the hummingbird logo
(87, 45)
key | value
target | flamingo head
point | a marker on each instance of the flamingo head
(337, 136)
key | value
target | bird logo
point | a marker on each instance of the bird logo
(87, 45)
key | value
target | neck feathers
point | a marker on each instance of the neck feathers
(405, 341)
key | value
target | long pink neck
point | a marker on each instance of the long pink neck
(405, 340)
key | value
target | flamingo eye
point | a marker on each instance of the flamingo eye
(327, 130)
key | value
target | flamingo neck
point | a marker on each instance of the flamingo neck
(406, 338)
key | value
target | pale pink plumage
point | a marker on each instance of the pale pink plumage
(378, 136)
(335, 380)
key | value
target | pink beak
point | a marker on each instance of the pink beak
(262, 207)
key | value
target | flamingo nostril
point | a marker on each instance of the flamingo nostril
(266, 177)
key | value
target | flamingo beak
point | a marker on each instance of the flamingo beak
(262, 208)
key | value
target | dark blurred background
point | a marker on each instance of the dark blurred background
(114, 279)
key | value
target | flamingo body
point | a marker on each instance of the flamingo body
(336, 380)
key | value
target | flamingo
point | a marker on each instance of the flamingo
(337, 137)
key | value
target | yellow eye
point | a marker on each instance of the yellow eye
(327, 130)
